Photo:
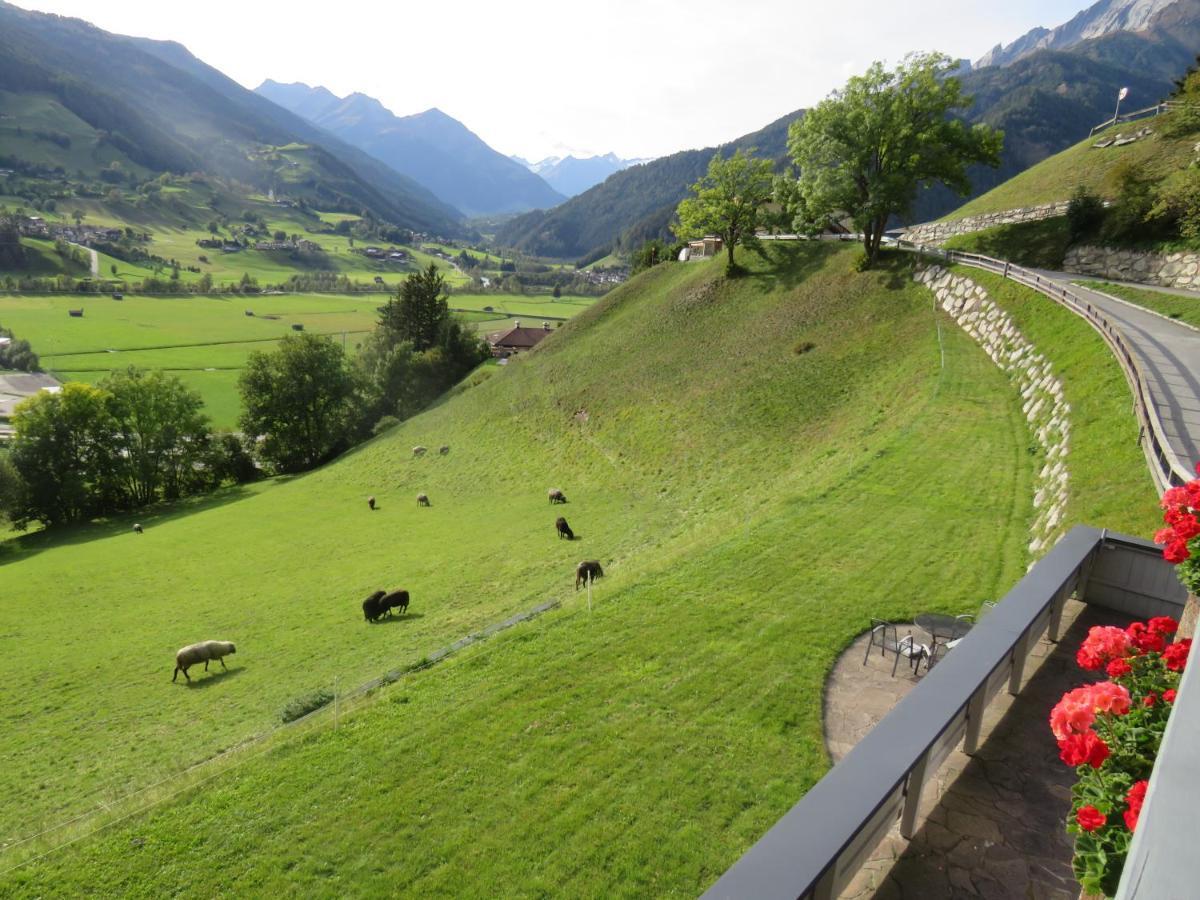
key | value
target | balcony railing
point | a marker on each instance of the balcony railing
(818, 846)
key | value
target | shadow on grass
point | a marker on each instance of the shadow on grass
(395, 620)
(211, 677)
(23, 547)
(790, 262)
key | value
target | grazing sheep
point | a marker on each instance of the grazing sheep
(137, 529)
(201, 653)
(418, 451)
(444, 449)
(556, 496)
(371, 501)
(588, 570)
(372, 608)
(423, 500)
(563, 529)
(394, 600)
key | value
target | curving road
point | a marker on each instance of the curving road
(1169, 354)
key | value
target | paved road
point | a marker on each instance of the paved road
(1169, 354)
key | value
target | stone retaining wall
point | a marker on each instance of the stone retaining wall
(1044, 407)
(937, 232)
(1176, 270)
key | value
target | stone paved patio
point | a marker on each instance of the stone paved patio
(991, 825)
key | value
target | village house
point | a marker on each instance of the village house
(517, 339)
(707, 246)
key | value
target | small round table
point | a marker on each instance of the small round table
(942, 627)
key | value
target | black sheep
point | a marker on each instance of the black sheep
(373, 607)
(394, 600)
(588, 570)
(563, 529)
(371, 502)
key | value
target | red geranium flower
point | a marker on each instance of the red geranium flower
(1175, 657)
(1077, 749)
(1135, 798)
(1150, 699)
(1176, 551)
(1090, 818)
(1163, 625)
(1117, 668)
(1103, 644)
(1169, 695)
(1146, 640)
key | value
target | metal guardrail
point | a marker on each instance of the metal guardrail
(1148, 112)
(1165, 466)
(815, 850)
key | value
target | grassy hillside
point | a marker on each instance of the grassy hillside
(1057, 178)
(752, 505)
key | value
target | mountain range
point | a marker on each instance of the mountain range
(1098, 20)
(1044, 98)
(154, 107)
(432, 148)
(633, 205)
(572, 175)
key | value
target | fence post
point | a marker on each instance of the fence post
(912, 796)
(975, 720)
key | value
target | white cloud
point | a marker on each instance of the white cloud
(531, 77)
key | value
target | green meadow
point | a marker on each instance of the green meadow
(760, 464)
(206, 339)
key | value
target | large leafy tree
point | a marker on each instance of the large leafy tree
(162, 437)
(301, 400)
(865, 150)
(728, 201)
(63, 449)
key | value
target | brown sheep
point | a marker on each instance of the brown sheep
(418, 451)
(423, 500)
(588, 570)
(371, 501)
(188, 656)
(563, 529)
(556, 496)
(444, 449)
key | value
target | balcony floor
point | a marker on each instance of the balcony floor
(991, 825)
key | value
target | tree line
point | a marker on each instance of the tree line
(140, 437)
(862, 155)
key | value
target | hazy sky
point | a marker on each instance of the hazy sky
(543, 77)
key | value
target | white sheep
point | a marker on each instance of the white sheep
(202, 652)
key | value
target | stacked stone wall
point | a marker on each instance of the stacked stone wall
(1175, 270)
(939, 232)
(1044, 407)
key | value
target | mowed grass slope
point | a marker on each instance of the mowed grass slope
(752, 506)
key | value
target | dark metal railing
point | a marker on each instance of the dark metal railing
(1165, 466)
(818, 846)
